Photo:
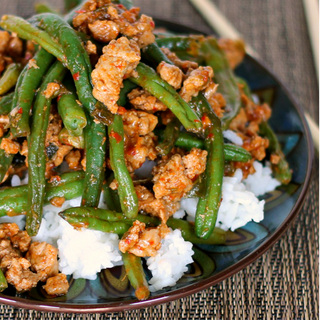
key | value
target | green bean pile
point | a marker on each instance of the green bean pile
(88, 125)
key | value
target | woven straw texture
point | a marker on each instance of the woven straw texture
(283, 283)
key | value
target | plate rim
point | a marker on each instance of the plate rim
(47, 306)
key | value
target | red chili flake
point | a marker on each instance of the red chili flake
(116, 136)
(80, 11)
(122, 110)
(152, 24)
(197, 120)
(76, 76)
(20, 110)
(121, 6)
(59, 97)
(210, 136)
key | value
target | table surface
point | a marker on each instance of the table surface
(283, 283)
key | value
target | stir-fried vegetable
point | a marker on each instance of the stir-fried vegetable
(49, 119)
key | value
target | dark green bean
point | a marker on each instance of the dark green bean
(9, 78)
(36, 146)
(208, 205)
(170, 137)
(148, 79)
(14, 201)
(3, 282)
(136, 276)
(100, 219)
(73, 116)
(28, 32)
(28, 83)
(76, 141)
(223, 75)
(6, 103)
(128, 86)
(71, 4)
(281, 170)
(5, 162)
(111, 197)
(188, 141)
(44, 8)
(78, 62)
(127, 193)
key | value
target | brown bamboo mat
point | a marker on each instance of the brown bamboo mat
(284, 282)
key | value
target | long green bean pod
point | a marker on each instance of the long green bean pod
(127, 193)
(77, 142)
(224, 76)
(148, 79)
(28, 83)
(73, 116)
(6, 103)
(14, 200)
(208, 205)
(9, 78)
(78, 62)
(110, 221)
(128, 86)
(28, 32)
(111, 197)
(188, 141)
(44, 8)
(136, 276)
(281, 169)
(170, 136)
(3, 282)
(36, 146)
(5, 162)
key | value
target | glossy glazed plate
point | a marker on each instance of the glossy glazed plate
(212, 264)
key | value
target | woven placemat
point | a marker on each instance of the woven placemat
(284, 282)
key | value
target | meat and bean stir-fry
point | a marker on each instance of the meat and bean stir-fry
(101, 93)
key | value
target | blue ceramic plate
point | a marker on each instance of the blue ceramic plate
(110, 293)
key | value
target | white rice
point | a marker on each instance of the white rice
(261, 181)
(171, 261)
(232, 137)
(84, 253)
(239, 203)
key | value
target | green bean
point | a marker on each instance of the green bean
(78, 62)
(185, 44)
(103, 220)
(111, 196)
(36, 146)
(281, 170)
(28, 83)
(208, 205)
(71, 14)
(148, 79)
(127, 193)
(76, 141)
(223, 75)
(44, 8)
(14, 200)
(153, 55)
(128, 86)
(136, 276)
(6, 103)
(73, 116)
(28, 32)
(3, 282)
(71, 4)
(5, 162)
(9, 77)
(170, 136)
(188, 141)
